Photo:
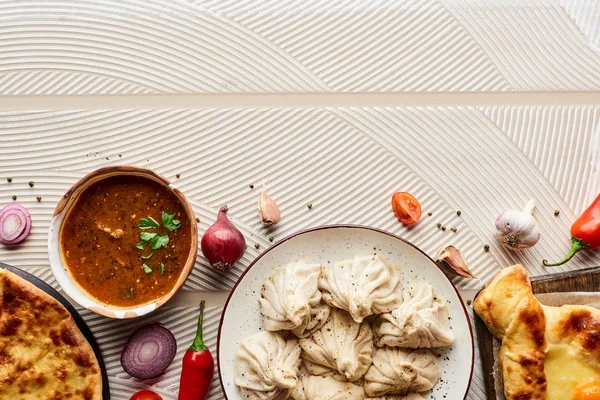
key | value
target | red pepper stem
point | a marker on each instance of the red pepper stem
(198, 344)
(577, 246)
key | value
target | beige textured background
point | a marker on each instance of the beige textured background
(470, 105)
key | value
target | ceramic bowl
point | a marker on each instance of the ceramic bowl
(57, 265)
(241, 315)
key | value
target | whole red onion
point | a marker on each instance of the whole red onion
(223, 244)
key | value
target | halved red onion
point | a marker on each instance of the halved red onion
(149, 351)
(15, 224)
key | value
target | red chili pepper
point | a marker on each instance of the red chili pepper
(198, 367)
(585, 232)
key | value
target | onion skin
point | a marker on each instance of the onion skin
(223, 244)
(19, 214)
(149, 351)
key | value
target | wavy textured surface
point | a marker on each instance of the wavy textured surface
(534, 44)
(359, 47)
(345, 161)
(151, 46)
(586, 15)
(562, 142)
(207, 46)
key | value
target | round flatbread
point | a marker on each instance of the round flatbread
(43, 354)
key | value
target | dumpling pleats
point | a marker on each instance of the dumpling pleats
(363, 286)
(326, 388)
(341, 344)
(421, 321)
(409, 396)
(291, 300)
(266, 366)
(398, 371)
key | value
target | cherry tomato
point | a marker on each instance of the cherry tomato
(406, 208)
(146, 395)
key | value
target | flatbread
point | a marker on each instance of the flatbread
(547, 352)
(43, 354)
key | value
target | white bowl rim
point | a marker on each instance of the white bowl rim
(337, 226)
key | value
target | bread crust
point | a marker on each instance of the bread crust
(497, 303)
(523, 352)
(517, 318)
(43, 354)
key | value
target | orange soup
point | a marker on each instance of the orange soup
(126, 240)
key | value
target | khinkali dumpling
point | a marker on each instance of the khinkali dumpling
(363, 286)
(266, 366)
(398, 371)
(291, 300)
(341, 344)
(321, 370)
(421, 321)
(408, 396)
(326, 388)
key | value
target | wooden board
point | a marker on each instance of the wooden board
(85, 330)
(584, 280)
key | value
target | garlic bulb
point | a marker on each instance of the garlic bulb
(268, 210)
(518, 229)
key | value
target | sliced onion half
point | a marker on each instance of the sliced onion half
(149, 351)
(15, 224)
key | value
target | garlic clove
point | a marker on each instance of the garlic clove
(452, 257)
(268, 210)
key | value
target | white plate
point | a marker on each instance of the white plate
(241, 316)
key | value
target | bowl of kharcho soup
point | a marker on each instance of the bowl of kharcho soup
(122, 241)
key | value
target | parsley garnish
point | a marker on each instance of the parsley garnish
(153, 239)
(148, 223)
(147, 236)
(159, 241)
(170, 222)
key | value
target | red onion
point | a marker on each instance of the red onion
(149, 351)
(15, 224)
(223, 244)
